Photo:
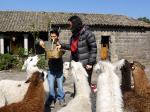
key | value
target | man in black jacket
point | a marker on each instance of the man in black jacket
(82, 45)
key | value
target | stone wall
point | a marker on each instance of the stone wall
(129, 43)
(64, 37)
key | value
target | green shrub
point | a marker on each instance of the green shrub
(42, 63)
(21, 51)
(7, 61)
(18, 65)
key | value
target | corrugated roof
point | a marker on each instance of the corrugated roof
(21, 21)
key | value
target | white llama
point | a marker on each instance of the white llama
(82, 101)
(109, 96)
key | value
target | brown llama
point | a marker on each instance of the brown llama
(34, 98)
(141, 82)
(138, 98)
(129, 99)
(135, 103)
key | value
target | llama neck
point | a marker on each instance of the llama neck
(82, 88)
(140, 82)
(31, 69)
(46, 87)
(35, 92)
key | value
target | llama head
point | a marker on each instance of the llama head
(66, 65)
(137, 67)
(66, 69)
(126, 65)
(30, 61)
(36, 78)
(44, 73)
(97, 68)
(103, 66)
(77, 70)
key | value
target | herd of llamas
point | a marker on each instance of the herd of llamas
(114, 94)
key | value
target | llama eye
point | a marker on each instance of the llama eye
(133, 67)
(31, 59)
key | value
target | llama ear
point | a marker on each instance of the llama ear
(119, 64)
(143, 67)
(101, 65)
(97, 68)
(24, 65)
(86, 74)
(37, 57)
(28, 80)
(42, 76)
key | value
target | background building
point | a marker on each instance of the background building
(124, 37)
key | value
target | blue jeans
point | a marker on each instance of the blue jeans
(52, 76)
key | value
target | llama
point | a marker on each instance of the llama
(126, 76)
(66, 70)
(137, 99)
(135, 103)
(34, 98)
(82, 100)
(141, 82)
(130, 101)
(109, 97)
(12, 91)
(30, 65)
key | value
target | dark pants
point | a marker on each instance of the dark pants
(89, 72)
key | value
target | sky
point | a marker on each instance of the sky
(131, 8)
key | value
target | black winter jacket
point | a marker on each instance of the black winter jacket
(87, 48)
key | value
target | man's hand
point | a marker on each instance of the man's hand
(42, 44)
(58, 45)
(88, 67)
